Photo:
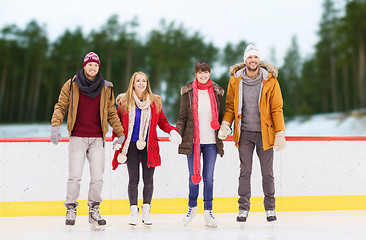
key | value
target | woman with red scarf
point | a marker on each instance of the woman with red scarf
(198, 123)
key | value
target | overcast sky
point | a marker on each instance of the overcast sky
(266, 23)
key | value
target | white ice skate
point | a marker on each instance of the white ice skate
(134, 215)
(210, 219)
(97, 223)
(146, 219)
(189, 215)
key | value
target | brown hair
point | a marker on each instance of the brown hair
(128, 99)
(203, 67)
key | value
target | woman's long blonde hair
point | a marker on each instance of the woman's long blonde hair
(128, 99)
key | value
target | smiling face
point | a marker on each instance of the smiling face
(140, 85)
(91, 70)
(252, 63)
(202, 76)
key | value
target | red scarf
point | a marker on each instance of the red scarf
(196, 178)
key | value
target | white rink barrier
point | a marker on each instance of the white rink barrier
(311, 173)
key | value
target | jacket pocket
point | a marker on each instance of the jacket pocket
(271, 133)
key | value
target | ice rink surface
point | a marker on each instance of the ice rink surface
(313, 225)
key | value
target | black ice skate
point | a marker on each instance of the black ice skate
(242, 216)
(96, 221)
(271, 215)
(70, 214)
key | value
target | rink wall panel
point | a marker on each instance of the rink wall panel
(311, 174)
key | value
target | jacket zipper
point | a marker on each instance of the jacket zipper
(148, 139)
(72, 105)
(103, 116)
(190, 101)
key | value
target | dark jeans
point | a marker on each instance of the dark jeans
(134, 157)
(209, 154)
(247, 142)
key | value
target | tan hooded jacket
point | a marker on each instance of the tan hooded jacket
(270, 106)
(69, 100)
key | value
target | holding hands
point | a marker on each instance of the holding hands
(224, 131)
(117, 142)
(175, 137)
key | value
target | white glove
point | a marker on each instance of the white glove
(280, 141)
(224, 131)
(55, 134)
(117, 142)
(175, 137)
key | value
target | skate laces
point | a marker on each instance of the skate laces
(71, 213)
(210, 214)
(243, 213)
(191, 212)
(270, 213)
(210, 219)
(95, 213)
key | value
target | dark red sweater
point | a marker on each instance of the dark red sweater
(88, 117)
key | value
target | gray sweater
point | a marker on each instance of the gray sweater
(251, 120)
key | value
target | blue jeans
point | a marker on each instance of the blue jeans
(209, 154)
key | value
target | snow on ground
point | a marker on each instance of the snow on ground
(332, 124)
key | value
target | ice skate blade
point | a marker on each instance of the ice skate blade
(211, 226)
(148, 225)
(242, 225)
(185, 223)
(69, 227)
(131, 226)
(272, 223)
(96, 228)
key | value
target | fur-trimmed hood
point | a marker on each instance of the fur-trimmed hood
(189, 87)
(269, 67)
(240, 72)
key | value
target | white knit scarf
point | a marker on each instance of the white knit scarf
(144, 125)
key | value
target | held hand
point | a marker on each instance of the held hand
(280, 141)
(175, 137)
(224, 131)
(117, 142)
(55, 134)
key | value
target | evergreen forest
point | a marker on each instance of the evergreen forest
(33, 69)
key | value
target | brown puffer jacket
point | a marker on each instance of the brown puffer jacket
(185, 123)
(69, 100)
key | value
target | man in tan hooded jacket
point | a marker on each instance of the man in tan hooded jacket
(89, 100)
(254, 103)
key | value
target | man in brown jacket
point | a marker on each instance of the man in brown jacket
(89, 100)
(254, 103)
